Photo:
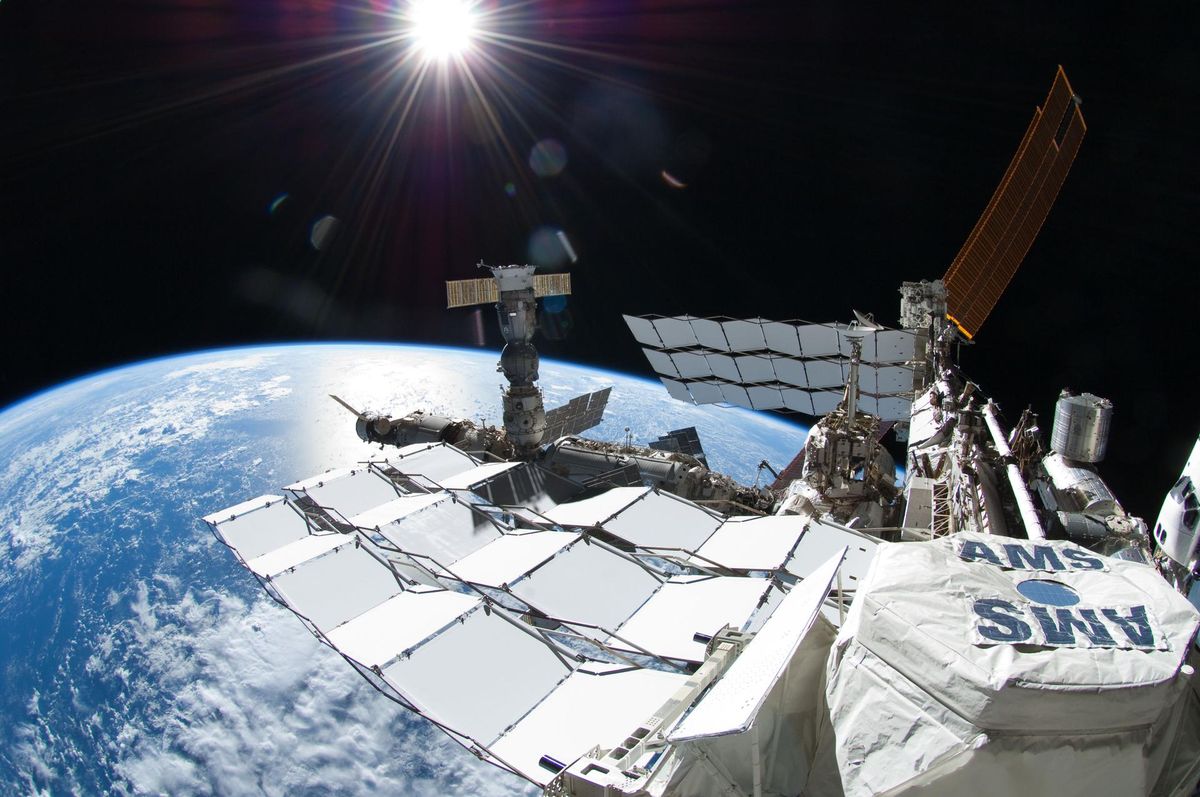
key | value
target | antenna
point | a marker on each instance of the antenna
(361, 416)
(1004, 233)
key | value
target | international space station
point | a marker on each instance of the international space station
(603, 618)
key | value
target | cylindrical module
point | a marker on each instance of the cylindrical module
(524, 416)
(1081, 427)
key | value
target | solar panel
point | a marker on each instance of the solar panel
(675, 333)
(445, 529)
(511, 556)
(821, 540)
(643, 331)
(558, 284)
(577, 415)
(463, 293)
(253, 528)
(526, 484)
(446, 679)
(686, 605)
(615, 700)
(1005, 231)
(336, 586)
(434, 461)
(685, 441)
(588, 583)
(733, 704)
(744, 335)
(752, 543)
(661, 362)
(348, 491)
(384, 632)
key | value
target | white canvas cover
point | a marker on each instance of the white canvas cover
(998, 693)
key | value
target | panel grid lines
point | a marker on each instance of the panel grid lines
(774, 365)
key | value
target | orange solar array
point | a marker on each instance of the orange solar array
(1002, 236)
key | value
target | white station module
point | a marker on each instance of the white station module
(1022, 662)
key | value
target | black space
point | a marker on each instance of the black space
(830, 150)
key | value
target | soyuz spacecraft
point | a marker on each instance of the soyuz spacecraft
(611, 619)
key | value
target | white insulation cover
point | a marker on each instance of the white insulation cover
(995, 693)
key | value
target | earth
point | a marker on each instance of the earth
(139, 658)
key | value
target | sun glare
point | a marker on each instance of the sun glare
(441, 28)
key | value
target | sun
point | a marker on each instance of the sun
(442, 29)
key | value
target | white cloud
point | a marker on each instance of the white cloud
(248, 702)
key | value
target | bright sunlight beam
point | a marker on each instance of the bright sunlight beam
(441, 29)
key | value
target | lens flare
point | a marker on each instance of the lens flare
(442, 29)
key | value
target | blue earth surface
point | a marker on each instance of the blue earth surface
(138, 658)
